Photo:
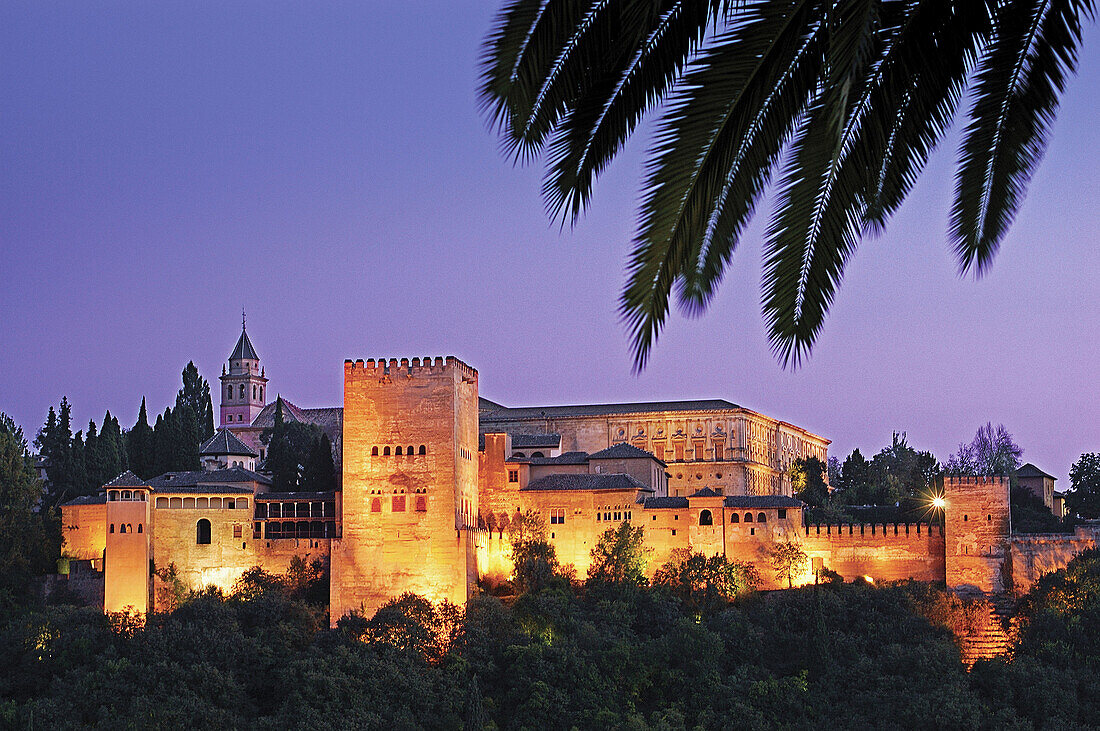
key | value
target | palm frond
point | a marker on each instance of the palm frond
(1019, 80)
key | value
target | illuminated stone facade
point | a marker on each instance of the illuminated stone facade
(432, 476)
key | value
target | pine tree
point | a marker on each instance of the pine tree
(64, 467)
(165, 439)
(80, 484)
(190, 436)
(139, 445)
(319, 472)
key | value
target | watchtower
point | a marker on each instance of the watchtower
(977, 524)
(409, 483)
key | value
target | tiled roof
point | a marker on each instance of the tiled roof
(87, 500)
(762, 501)
(207, 490)
(127, 479)
(567, 458)
(172, 481)
(706, 492)
(537, 412)
(666, 502)
(585, 482)
(530, 441)
(244, 349)
(1030, 470)
(226, 442)
(622, 450)
(484, 404)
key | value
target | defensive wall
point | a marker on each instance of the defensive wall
(880, 551)
(1034, 554)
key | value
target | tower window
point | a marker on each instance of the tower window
(423, 449)
(705, 518)
(374, 451)
(748, 517)
(202, 532)
(261, 393)
(761, 518)
(398, 451)
(735, 518)
(253, 391)
(241, 391)
(229, 392)
(385, 451)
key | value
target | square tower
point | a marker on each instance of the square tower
(977, 524)
(126, 576)
(409, 483)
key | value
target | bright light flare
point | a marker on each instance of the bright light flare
(939, 502)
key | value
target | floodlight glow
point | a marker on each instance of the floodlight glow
(938, 502)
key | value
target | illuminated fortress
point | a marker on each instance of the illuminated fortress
(431, 475)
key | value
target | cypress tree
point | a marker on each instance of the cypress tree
(319, 473)
(111, 450)
(95, 461)
(139, 445)
(63, 465)
(165, 439)
(280, 462)
(196, 394)
(79, 472)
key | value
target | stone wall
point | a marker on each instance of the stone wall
(881, 551)
(1032, 555)
(84, 528)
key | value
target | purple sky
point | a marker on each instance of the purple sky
(164, 164)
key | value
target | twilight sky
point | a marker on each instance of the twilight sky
(324, 165)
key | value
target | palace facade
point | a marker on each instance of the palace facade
(432, 475)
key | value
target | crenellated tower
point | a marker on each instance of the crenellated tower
(243, 385)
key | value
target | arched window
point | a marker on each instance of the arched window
(735, 518)
(229, 392)
(421, 504)
(261, 393)
(761, 518)
(162, 502)
(385, 451)
(423, 449)
(374, 451)
(409, 451)
(537, 454)
(127, 495)
(748, 517)
(202, 532)
(241, 390)
(139, 528)
(705, 518)
(398, 451)
(121, 527)
(519, 454)
(253, 391)
(112, 528)
(376, 506)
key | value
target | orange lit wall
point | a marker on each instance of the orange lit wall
(126, 565)
(396, 548)
(84, 528)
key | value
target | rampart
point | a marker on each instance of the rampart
(881, 551)
(1035, 554)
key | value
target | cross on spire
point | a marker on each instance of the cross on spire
(242, 319)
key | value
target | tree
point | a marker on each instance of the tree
(854, 485)
(1083, 497)
(991, 452)
(842, 101)
(900, 471)
(620, 556)
(534, 560)
(196, 394)
(808, 481)
(787, 560)
(319, 470)
(281, 460)
(705, 583)
(64, 461)
(27, 545)
(139, 445)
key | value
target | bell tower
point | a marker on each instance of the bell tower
(244, 384)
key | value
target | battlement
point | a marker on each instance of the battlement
(882, 530)
(996, 480)
(405, 366)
